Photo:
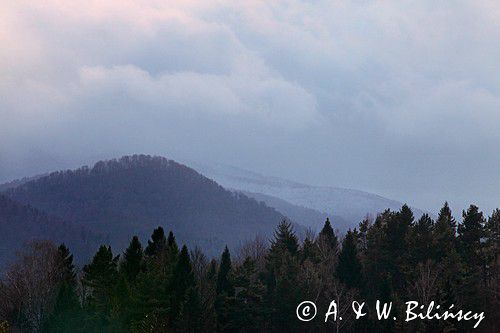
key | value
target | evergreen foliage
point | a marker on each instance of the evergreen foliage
(164, 289)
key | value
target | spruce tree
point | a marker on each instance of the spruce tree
(421, 240)
(328, 236)
(349, 268)
(282, 277)
(99, 278)
(182, 280)
(285, 239)
(67, 315)
(224, 284)
(470, 232)
(444, 233)
(67, 266)
(132, 263)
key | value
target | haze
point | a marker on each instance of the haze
(397, 98)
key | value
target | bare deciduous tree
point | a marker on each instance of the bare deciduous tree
(29, 288)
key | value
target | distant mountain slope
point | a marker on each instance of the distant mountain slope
(350, 205)
(137, 193)
(20, 224)
(307, 217)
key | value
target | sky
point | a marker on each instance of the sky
(398, 98)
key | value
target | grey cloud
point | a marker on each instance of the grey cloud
(396, 98)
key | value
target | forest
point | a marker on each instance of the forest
(164, 287)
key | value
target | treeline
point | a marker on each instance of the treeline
(164, 288)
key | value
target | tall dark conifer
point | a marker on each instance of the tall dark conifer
(182, 281)
(132, 263)
(327, 235)
(157, 243)
(224, 284)
(349, 268)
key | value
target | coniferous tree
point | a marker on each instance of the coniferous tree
(444, 233)
(99, 279)
(470, 232)
(398, 229)
(421, 239)
(157, 243)
(67, 315)
(182, 281)
(349, 268)
(328, 236)
(281, 277)
(68, 268)
(309, 251)
(224, 284)
(285, 239)
(132, 263)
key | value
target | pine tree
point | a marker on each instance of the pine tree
(349, 268)
(132, 263)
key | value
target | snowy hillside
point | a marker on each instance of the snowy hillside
(350, 205)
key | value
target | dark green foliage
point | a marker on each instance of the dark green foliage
(327, 235)
(68, 268)
(470, 232)
(444, 233)
(182, 282)
(421, 239)
(99, 278)
(132, 263)
(392, 260)
(285, 239)
(67, 315)
(224, 284)
(349, 268)
(157, 243)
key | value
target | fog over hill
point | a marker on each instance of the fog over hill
(348, 204)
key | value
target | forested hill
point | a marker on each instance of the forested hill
(134, 194)
(20, 224)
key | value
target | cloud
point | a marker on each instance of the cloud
(380, 95)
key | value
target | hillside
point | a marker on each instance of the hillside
(133, 195)
(350, 205)
(307, 217)
(20, 224)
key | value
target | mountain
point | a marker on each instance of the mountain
(135, 194)
(20, 224)
(350, 205)
(307, 217)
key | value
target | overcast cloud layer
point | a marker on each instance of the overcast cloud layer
(397, 98)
